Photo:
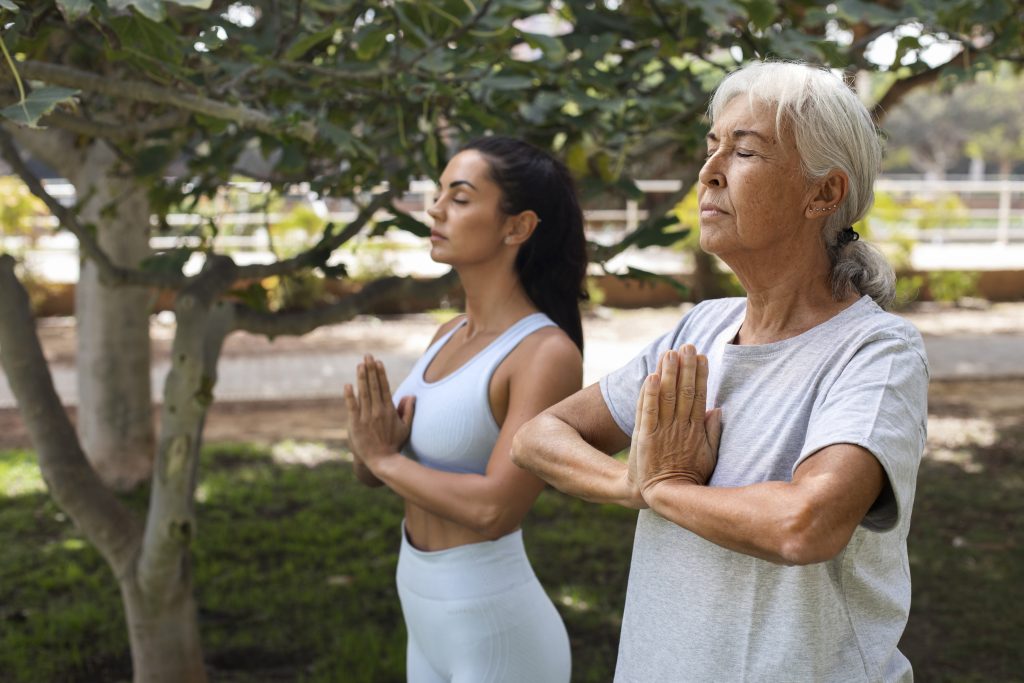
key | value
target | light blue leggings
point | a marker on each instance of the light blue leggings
(477, 614)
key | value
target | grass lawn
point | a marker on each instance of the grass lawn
(294, 564)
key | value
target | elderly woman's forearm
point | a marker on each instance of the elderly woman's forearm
(807, 520)
(559, 455)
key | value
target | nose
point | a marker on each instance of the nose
(711, 173)
(435, 210)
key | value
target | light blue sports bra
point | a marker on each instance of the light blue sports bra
(453, 428)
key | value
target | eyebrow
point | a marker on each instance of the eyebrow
(457, 183)
(741, 133)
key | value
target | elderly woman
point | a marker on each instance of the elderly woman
(771, 542)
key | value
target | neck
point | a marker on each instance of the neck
(495, 298)
(784, 299)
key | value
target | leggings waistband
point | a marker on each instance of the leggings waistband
(465, 571)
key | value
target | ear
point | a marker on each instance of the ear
(827, 194)
(520, 227)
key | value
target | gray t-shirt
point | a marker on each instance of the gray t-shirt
(696, 611)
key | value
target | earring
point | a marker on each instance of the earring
(508, 240)
(824, 208)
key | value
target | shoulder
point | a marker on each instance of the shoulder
(876, 326)
(547, 347)
(447, 327)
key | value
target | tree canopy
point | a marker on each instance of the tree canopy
(348, 95)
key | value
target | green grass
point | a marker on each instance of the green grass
(967, 565)
(294, 569)
(294, 574)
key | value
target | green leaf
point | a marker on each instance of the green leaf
(438, 61)
(371, 42)
(552, 47)
(171, 261)
(338, 271)
(151, 9)
(654, 233)
(149, 38)
(254, 296)
(7, 4)
(39, 103)
(198, 4)
(508, 82)
(304, 44)
(761, 12)
(152, 160)
(73, 9)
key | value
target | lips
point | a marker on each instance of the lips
(711, 209)
(435, 236)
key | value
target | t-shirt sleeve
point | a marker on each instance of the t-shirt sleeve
(621, 388)
(879, 402)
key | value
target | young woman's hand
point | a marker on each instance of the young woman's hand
(376, 429)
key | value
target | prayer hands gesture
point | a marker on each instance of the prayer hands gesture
(375, 428)
(674, 437)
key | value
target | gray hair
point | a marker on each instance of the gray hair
(832, 130)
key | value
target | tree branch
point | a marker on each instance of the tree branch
(202, 325)
(72, 482)
(111, 273)
(141, 91)
(114, 131)
(318, 255)
(52, 147)
(371, 296)
(901, 88)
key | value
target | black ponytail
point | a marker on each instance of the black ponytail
(552, 264)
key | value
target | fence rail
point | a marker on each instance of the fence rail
(991, 214)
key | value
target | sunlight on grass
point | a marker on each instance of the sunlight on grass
(19, 474)
(954, 440)
(961, 432)
(573, 599)
(308, 453)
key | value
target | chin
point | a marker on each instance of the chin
(437, 256)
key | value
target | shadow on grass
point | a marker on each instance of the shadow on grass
(294, 567)
(967, 565)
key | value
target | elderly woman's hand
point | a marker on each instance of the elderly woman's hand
(375, 428)
(677, 440)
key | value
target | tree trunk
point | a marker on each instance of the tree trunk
(115, 416)
(164, 634)
(153, 564)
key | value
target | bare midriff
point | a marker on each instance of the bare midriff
(430, 532)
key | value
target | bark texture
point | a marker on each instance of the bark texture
(115, 418)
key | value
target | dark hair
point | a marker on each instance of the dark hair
(552, 264)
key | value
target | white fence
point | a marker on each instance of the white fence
(990, 218)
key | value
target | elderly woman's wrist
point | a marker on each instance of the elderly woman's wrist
(656, 488)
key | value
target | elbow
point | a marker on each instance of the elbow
(523, 450)
(494, 521)
(805, 541)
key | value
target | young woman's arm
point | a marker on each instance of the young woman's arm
(545, 368)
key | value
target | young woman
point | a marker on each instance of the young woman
(508, 221)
